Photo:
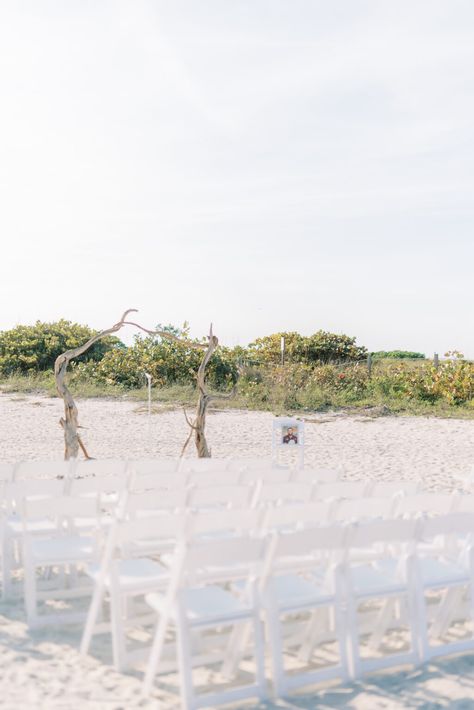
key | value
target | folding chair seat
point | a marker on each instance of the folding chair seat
(198, 604)
(317, 475)
(63, 547)
(303, 601)
(446, 586)
(122, 577)
(342, 489)
(283, 493)
(389, 577)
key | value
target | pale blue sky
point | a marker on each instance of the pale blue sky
(267, 165)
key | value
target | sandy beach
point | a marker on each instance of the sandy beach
(43, 669)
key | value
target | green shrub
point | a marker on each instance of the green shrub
(34, 348)
(321, 347)
(398, 355)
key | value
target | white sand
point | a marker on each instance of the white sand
(43, 669)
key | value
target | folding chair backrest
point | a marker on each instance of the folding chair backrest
(154, 466)
(439, 503)
(44, 469)
(101, 467)
(96, 484)
(304, 542)
(155, 501)
(203, 465)
(153, 481)
(230, 496)
(349, 509)
(463, 503)
(366, 534)
(157, 527)
(213, 478)
(37, 488)
(60, 507)
(317, 475)
(223, 522)
(284, 493)
(227, 558)
(7, 471)
(342, 489)
(270, 475)
(384, 489)
(451, 524)
(257, 465)
(294, 516)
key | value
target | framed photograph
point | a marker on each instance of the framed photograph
(289, 434)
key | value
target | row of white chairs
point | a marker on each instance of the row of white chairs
(137, 559)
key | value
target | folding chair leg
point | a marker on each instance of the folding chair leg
(30, 595)
(450, 601)
(238, 641)
(317, 621)
(155, 654)
(381, 623)
(118, 630)
(353, 638)
(92, 617)
(259, 642)
(183, 641)
(276, 644)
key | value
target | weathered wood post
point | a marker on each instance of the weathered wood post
(369, 364)
(436, 361)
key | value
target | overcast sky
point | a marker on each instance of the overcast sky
(265, 164)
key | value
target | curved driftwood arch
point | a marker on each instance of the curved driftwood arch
(70, 423)
(198, 426)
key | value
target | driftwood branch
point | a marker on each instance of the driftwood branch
(198, 426)
(70, 424)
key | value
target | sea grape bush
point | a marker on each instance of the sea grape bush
(398, 355)
(321, 347)
(34, 348)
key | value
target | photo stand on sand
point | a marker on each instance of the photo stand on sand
(288, 436)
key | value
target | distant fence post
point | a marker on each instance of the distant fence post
(282, 348)
(436, 361)
(369, 364)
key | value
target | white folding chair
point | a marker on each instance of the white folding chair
(197, 601)
(123, 576)
(62, 547)
(252, 464)
(14, 495)
(224, 523)
(389, 577)
(107, 488)
(305, 588)
(447, 576)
